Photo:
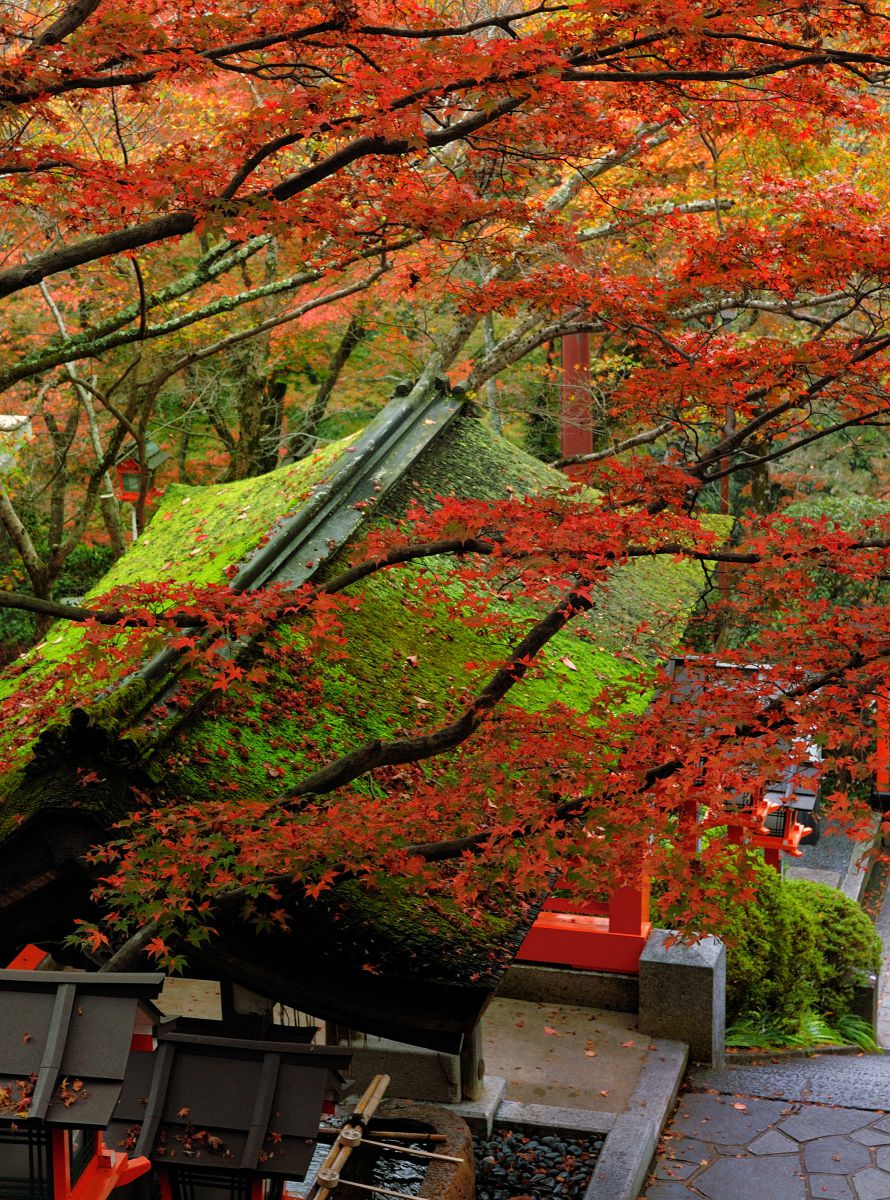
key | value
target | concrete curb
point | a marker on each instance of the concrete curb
(632, 1141)
(546, 1118)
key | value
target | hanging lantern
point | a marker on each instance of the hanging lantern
(129, 475)
(130, 478)
(64, 1045)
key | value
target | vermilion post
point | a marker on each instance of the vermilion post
(58, 1140)
(882, 765)
(629, 909)
(576, 429)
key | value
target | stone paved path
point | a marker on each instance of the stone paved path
(811, 1129)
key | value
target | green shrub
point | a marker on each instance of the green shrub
(795, 951)
(770, 943)
(846, 944)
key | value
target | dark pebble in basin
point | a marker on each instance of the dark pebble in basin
(542, 1167)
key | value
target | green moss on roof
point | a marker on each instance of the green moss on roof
(200, 531)
(660, 593)
(470, 460)
(416, 674)
(196, 533)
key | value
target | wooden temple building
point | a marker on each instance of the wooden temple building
(386, 965)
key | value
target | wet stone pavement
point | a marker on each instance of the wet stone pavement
(726, 1146)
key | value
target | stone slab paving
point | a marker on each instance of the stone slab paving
(805, 1129)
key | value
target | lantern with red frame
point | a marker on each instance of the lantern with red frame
(65, 1039)
(223, 1118)
(129, 475)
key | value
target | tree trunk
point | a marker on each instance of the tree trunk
(304, 440)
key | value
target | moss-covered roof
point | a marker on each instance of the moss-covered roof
(199, 534)
(196, 535)
(401, 661)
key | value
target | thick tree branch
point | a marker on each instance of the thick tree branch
(173, 225)
(70, 19)
(639, 439)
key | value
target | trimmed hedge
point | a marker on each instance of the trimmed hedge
(798, 947)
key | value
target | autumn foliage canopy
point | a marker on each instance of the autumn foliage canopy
(702, 190)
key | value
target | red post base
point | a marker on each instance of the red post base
(584, 942)
(28, 959)
(592, 936)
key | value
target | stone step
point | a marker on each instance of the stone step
(848, 1080)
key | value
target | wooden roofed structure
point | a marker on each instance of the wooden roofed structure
(431, 969)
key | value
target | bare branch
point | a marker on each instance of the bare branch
(639, 439)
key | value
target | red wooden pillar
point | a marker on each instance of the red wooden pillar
(576, 431)
(882, 730)
(629, 909)
(58, 1141)
(772, 858)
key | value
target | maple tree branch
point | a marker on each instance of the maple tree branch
(379, 753)
(772, 717)
(177, 224)
(299, 603)
(74, 612)
(66, 23)
(805, 57)
(51, 262)
(726, 75)
(789, 448)
(414, 552)
(291, 314)
(639, 439)
(522, 340)
(110, 334)
(735, 440)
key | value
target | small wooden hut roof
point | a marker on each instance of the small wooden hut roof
(231, 1104)
(385, 962)
(65, 1041)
